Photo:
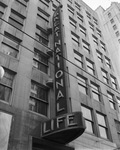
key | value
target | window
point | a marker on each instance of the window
(102, 126)
(70, 9)
(111, 100)
(95, 39)
(75, 39)
(38, 99)
(6, 85)
(41, 35)
(44, 4)
(16, 19)
(118, 102)
(109, 14)
(113, 81)
(108, 63)
(70, 1)
(102, 45)
(119, 40)
(95, 91)
(80, 17)
(9, 47)
(77, 6)
(90, 67)
(105, 76)
(87, 114)
(117, 124)
(82, 30)
(86, 46)
(23, 2)
(2, 8)
(40, 61)
(78, 59)
(82, 84)
(95, 21)
(43, 15)
(112, 21)
(99, 55)
(72, 23)
(117, 33)
(5, 129)
(88, 15)
(115, 27)
(91, 26)
(98, 32)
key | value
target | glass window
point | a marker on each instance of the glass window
(117, 33)
(100, 57)
(108, 63)
(117, 124)
(98, 32)
(87, 114)
(109, 14)
(105, 76)
(82, 84)
(70, 9)
(16, 19)
(9, 50)
(95, 39)
(95, 91)
(86, 46)
(6, 85)
(78, 59)
(95, 21)
(88, 15)
(40, 61)
(82, 30)
(91, 26)
(90, 67)
(112, 21)
(72, 23)
(113, 81)
(77, 6)
(43, 15)
(118, 102)
(39, 99)
(111, 100)
(70, 1)
(102, 45)
(80, 17)
(115, 27)
(102, 125)
(75, 39)
(42, 35)
(5, 127)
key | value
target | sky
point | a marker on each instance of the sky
(95, 3)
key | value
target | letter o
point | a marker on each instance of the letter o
(59, 74)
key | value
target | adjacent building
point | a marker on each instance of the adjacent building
(57, 64)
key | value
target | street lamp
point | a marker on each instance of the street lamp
(2, 72)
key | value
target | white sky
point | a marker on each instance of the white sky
(95, 3)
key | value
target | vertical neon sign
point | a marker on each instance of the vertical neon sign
(60, 90)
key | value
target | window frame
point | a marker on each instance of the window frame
(40, 62)
(102, 125)
(82, 84)
(89, 119)
(86, 46)
(78, 59)
(95, 90)
(111, 99)
(89, 68)
(34, 101)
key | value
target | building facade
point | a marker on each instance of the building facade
(34, 90)
(110, 21)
